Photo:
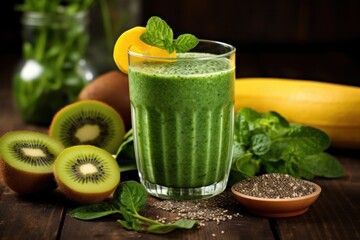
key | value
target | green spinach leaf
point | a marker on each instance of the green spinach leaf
(260, 144)
(93, 211)
(165, 228)
(267, 142)
(322, 164)
(131, 195)
(129, 198)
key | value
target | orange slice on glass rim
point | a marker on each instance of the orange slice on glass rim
(131, 38)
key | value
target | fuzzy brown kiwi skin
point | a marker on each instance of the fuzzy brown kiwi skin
(83, 198)
(111, 88)
(26, 183)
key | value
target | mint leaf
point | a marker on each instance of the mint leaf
(322, 164)
(165, 228)
(159, 29)
(185, 42)
(260, 144)
(247, 165)
(276, 167)
(250, 116)
(275, 120)
(159, 34)
(304, 140)
(94, 211)
(244, 165)
(242, 133)
(237, 150)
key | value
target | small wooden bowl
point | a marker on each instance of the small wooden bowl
(271, 207)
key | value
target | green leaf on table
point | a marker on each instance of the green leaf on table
(93, 211)
(131, 195)
(129, 198)
(130, 222)
(166, 228)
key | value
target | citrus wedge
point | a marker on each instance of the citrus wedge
(129, 38)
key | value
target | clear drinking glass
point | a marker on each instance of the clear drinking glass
(182, 118)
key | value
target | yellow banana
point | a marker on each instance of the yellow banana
(333, 108)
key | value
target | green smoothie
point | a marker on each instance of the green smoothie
(183, 120)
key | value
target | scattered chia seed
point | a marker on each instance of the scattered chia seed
(203, 210)
(274, 185)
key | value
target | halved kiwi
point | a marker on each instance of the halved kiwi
(27, 161)
(86, 174)
(88, 122)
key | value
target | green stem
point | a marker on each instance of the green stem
(40, 43)
(107, 24)
(145, 219)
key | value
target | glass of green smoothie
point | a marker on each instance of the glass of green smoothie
(182, 117)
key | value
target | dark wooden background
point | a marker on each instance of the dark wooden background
(308, 39)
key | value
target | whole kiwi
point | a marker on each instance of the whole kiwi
(26, 161)
(86, 174)
(111, 88)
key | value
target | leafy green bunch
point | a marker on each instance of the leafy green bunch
(269, 143)
(129, 199)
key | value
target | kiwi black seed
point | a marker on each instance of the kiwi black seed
(88, 122)
(86, 174)
(27, 160)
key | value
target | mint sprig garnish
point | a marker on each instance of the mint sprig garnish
(159, 34)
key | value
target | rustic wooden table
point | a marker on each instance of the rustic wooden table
(335, 215)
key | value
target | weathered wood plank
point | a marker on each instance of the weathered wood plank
(247, 226)
(36, 217)
(29, 218)
(335, 215)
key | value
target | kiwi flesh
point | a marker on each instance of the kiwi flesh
(111, 88)
(27, 160)
(86, 174)
(88, 122)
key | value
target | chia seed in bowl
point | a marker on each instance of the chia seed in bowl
(276, 195)
(274, 185)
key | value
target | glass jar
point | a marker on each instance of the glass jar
(54, 68)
